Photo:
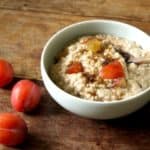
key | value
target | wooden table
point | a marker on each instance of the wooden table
(25, 26)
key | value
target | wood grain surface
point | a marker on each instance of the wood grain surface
(25, 26)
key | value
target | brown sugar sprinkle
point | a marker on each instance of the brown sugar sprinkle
(83, 50)
(107, 61)
(89, 77)
(93, 93)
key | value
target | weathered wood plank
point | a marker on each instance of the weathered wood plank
(128, 9)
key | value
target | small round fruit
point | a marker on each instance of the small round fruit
(6, 72)
(13, 129)
(25, 96)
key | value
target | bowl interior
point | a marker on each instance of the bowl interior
(63, 37)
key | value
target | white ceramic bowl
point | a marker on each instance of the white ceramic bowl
(86, 108)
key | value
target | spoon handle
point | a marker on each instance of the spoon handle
(139, 60)
(130, 58)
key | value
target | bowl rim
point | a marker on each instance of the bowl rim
(72, 97)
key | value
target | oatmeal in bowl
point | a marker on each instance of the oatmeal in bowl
(102, 68)
(98, 68)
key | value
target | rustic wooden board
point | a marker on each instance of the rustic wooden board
(128, 10)
(25, 26)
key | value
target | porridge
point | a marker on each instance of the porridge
(102, 68)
